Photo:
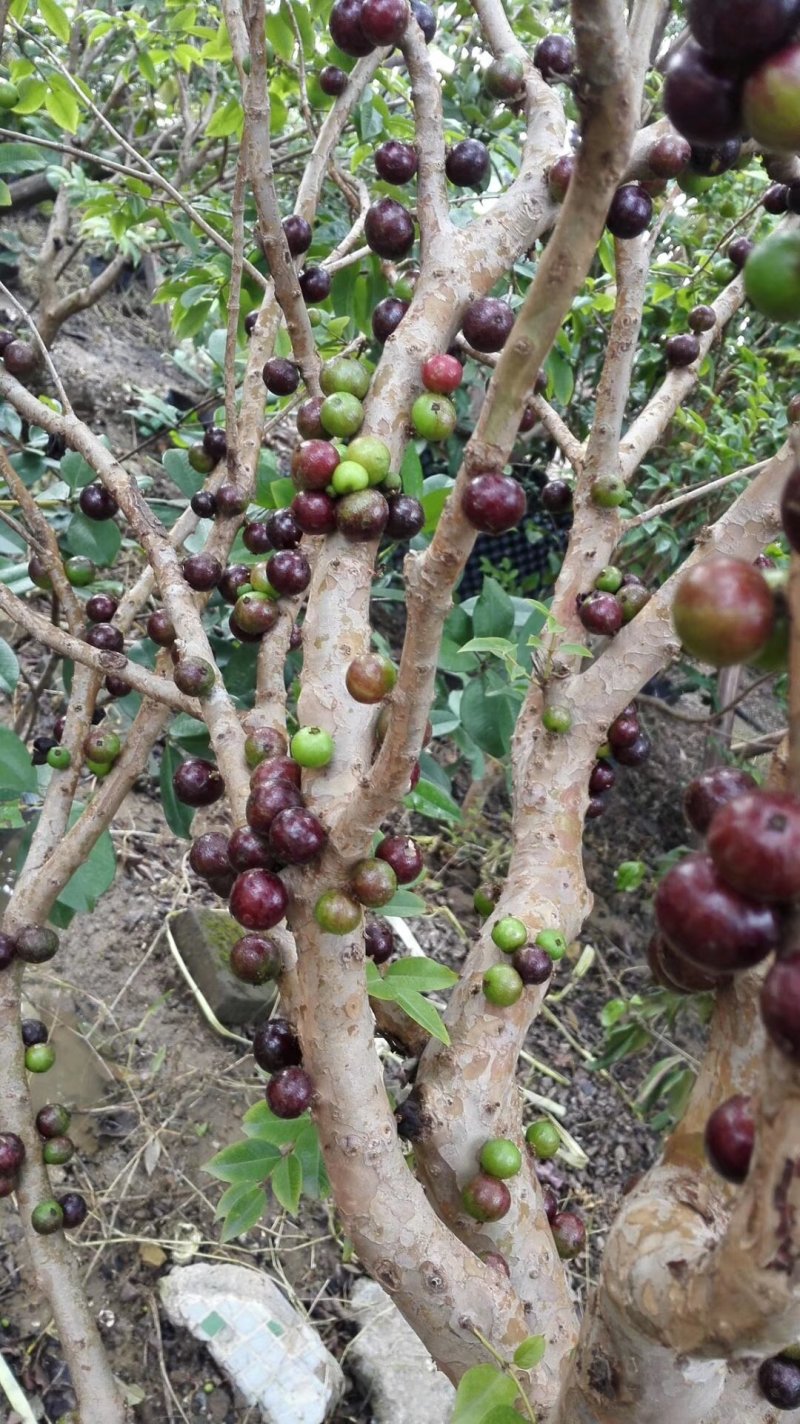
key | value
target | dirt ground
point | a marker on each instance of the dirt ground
(157, 1093)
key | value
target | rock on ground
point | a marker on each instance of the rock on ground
(388, 1358)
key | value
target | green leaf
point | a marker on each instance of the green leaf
(530, 1352)
(55, 19)
(480, 1390)
(489, 721)
(5, 195)
(309, 1154)
(32, 94)
(100, 542)
(226, 120)
(178, 816)
(423, 1013)
(418, 972)
(259, 1121)
(404, 905)
(493, 614)
(411, 473)
(629, 875)
(93, 877)
(432, 801)
(612, 1012)
(287, 1183)
(16, 770)
(244, 1207)
(176, 464)
(9, 668)
(250, 1161)
(503, 1415)
(63, 109)
(75, 471)
(281, 35)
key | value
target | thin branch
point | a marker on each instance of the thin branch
(40, 346)
(689, 496)
(46, 541)
(232, 333)
(433, 212)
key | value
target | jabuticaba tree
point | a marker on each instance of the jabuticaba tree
(594, 230)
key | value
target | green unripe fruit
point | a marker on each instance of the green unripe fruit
(40, 1057)
(46, 1218)
(608, 491)
(98, 768)
(632, 599)
(102, 746)
(59, 758)
(543, 1138)
(9, 94)
(57, 1151)
(392, 483)
(693, 184)
(337, 913)
(80, 572)
(433, 417)
(246, 588)
(247, 64)
(259, 581)
(194, 676)
(504, 78)
(349, 477)
(311, 747)
(500, 1157)
(502, 985)
(369, 451)
(772, 276)
(484, 901)
(315, 317)
(552, 942)
(341, 414)
(344, 374)
(609, 579)
(200, 460)
(556, 719)
(509, 934)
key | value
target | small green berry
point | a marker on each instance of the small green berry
(46, 1218)
(59, 758)
(509, 934)
(544, 1138)
(556, 719)
(312, 747)
(502, 985)
(609, 579)
(500, 1157)
(348, 477)
(39, 1057)
(99, 768)
(484, 901)
(552, 942)
(608, 491)
(337, 913)
(57, 1151)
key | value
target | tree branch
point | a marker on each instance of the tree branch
(46, 542)
(433, 212)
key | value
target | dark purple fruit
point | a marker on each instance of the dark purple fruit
(315, 282)
(396, 162)
(307, 420)
(8, 949)
(682, 350)
(276, 768)
(315, 512)
(378, 941)
(290, 1091)
(197, 782)
(389, 229)
(754, 842)
(12, 1154)
(204, 504)
(232, 579)
(780, 1005)
(281, 377)
(560, 176)
(255, 537)
(556, 496)
(702, 100)
(160, 628)
(730, 1137)
(494, 503)
(384, 21)
(406, 517)
(739, 250)
(776, 199)
(709, 160)
(209, 855)
(289, 572)
(33, 1031)
(601, 613)
(297, 233)
(97, 502)
(105, 637)
(487, 324)
(74, 1210)
(533, 965)
(255, 959)
(283, 530)
(569, 1234)
(215, 442)
(403, 855)
(425, 18)
(276, 1046)
(101, 607)
(710, 924)
(258, 899)
(738, 31)
(345, 28)
(21, 359)
(702, 318)
(267, 799)
(630, 212)
(297, 836)
(194, 676)
(779, 1382)
(790, 508)
(554, 56)
(637, 753)
(231, 501)
(202, 572)
(468, 163)
(669, 156)
(247, 850)
(387, 316)
(313, 464)
(602, 777)
(332, 81)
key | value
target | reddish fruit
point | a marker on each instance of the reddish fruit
(209, 855)
(297, 836)
(258, 899)
(101, 607)
(106, 638)
(315, 512)
(560, 176)
(533, 965)
(21, 359)
(289, 571)
(669, 156)
(790, 509)
(384, 21)
(710, 924)
(276, 1046)
(378, 941)
(197, 782)
(730, 1137)
(601, 613)
(255, 959)
(569, 1234)
(712, 789)
(602, 777)
(780, 1004)
(307, 419)
(738, 31)
(442, 374)
(276, 768)
(12, 1154)
(494, 503)
(267, 800)
(232, 579)
(723, 611)
(345, 28)
(403, 855)
(332, 80)
(676, 974)
(754, 842)
(487, 324)
(160, 628)
(370, 678)
(486, 1198)
(289, 1092)
(247, 850)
